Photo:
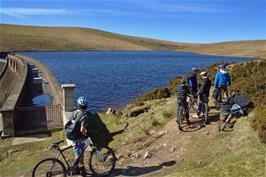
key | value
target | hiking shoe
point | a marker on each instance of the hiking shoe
(188, 122)
(82, 171)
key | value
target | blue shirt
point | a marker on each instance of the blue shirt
(222, 78)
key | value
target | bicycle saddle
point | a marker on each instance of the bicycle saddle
(56, 144)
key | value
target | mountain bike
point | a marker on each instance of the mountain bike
(192, 102)
(205, 113)
(181, 117)
(181, 121)
(224, 123)
(101, 161)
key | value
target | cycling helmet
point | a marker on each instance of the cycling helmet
(204, 73)
(82, 102)
(222, 66)
(194, 69)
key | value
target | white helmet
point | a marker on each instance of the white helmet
(204, 73)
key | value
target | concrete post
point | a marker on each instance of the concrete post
(68, 103)
(68, 97)
(8, 123)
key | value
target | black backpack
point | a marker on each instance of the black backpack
(72, 127)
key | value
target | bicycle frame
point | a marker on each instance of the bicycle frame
(87, 142)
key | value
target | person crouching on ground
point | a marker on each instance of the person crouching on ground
(182, 93)
(203, 93)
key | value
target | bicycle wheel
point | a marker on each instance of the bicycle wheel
(189, 102)
(48, 168)
(224, 125)
(102, 161)
(206, 113)
(180, 117)
(192, 103)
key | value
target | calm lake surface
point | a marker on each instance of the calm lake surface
(113, 79)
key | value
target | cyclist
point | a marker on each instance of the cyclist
(81, 133)
(203, 92)
(221, 82)
(182, 92)
(192, 81)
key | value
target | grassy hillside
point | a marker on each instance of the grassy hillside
(252, 48)
(33, 38)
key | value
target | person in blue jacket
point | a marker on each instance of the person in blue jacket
(192, 81)
(222, 81)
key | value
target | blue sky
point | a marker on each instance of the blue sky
(200, 21)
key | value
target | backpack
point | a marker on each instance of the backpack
(72, 127)
(237, 111)
(236, 105)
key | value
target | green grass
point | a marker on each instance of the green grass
(22, 162)
(160, 112)
(2, 65)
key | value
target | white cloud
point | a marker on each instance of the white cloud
(176, 7)
(23, 12)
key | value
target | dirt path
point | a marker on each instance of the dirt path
(164, 148)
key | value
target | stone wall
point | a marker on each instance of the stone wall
(3, 71)
(53, 85)
(12, 81)
(13, 88)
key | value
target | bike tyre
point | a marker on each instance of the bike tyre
(54, 160)
(180, 117)
(206, 114)
(91, 165)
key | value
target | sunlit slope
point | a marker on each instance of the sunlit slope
(33, 38)
(252, 48)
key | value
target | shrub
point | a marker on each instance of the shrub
(250, 79)
(158, 93)
(167, 114)
(173, 83)
(258, 123)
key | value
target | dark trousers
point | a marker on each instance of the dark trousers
(185, 106)
(221, 90)
(203, 100)
(193, 91)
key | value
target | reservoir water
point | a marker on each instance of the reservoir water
(114, 78)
